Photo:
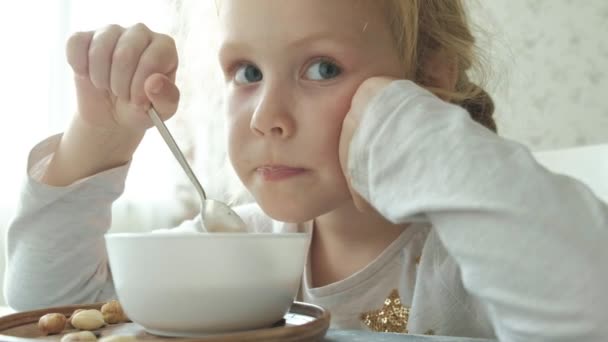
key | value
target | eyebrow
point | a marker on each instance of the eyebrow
(323, 35)
(327, 36)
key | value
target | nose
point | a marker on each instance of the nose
(272, 116)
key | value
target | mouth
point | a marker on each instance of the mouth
(273, 173)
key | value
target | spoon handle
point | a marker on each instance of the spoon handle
(177, 153)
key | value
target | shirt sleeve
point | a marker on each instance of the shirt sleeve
(530, 244)
(55, 247)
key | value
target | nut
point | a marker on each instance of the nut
(88, 320)
(118, 338)
(73, 314)
(52, 323)
(81, 336)
(112, 312)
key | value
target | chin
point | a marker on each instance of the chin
(288, 213)
(294, 210)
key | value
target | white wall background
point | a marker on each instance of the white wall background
(550, 59)
(551, 65)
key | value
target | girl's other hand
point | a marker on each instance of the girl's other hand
(119, 73)
(364, 94)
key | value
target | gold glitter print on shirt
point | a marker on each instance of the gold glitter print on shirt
(391, 318)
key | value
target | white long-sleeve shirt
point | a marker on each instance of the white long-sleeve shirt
(510, 249)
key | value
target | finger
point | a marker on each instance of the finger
(159, 57)
(100, 55)
(163, 94)
(349, 126)
(77, 52)
(360, 203)
(129, 48)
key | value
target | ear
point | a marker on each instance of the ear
(440, 70)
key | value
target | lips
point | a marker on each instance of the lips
(279, 172)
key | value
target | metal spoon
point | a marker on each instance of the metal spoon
(216, 216)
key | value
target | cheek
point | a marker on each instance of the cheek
(322, 142)
(237, 125)
(340, 105)
(328, 112)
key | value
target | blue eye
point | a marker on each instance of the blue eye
(248, 73)
(323, 70)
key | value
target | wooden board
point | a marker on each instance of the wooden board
(304, 322)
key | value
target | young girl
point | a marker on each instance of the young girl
(423, 220)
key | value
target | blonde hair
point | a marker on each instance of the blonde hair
(422, 28)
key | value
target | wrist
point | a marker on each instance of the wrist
(85, 150)
(115, 144)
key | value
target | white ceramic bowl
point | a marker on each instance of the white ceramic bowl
(193, 284)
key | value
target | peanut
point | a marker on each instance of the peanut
(73, 314)
(81, 336)
(52, 323)
(112, 312)
(88, 320)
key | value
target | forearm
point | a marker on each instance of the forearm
(85, 151)
(529, 244)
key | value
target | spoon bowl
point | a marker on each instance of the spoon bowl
(216, 216)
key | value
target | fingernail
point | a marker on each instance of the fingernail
(156, 87)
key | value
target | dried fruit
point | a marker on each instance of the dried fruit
(88, 320)
(52, 323)
(81, 336)
(112, 312)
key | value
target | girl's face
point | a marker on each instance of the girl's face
(291, 68)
